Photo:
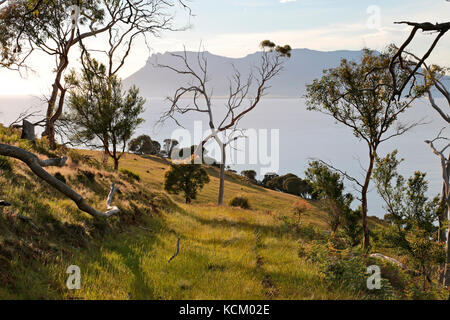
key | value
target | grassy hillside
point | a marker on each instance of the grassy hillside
(225, 253)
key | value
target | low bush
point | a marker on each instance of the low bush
(5, 164)
(241, 202)
(60, 177)
(344, 269)
(130, 174)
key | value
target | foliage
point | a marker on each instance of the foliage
(169, 145)
(289, 183)
(329, 187)
(360, 95)
(412, 215)
(6, 164)
(99, 111)
(268, 177)
(351, 227)
(293, 185)
(60, 177)
(186, 178)
(240, 201)
(130, 174)
(346, 270)
(144, 145)
(249, 174)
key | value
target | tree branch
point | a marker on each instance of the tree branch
(36, 165)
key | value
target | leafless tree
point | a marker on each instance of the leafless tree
(240, 99)
(26, 115)
(440, 28)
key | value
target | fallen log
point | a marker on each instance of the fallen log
(37, 166)
(392, 260)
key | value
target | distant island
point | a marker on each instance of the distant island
(304, 66)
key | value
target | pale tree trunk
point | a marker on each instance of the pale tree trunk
(445, 276)
(446, 273)
(445, 166)
(222, 176)
(442, 218)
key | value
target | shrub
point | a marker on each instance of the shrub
(144, 145)
(186, 178)
(250, 175)
(240, 201)
(130, 174)
(299, 208)
(60, 177)
(75, 156)
(5, 164)
(83, 175)
(344, 269)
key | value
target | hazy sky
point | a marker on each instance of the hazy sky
(235, 27)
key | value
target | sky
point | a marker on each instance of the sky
(234, 28)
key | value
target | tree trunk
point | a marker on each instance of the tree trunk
(105, 157)
(446, 272)
(366, 238)
(442, 217)
(54, 118)
(36, 165)
(51, 118)
(222, 177)
(116, 164)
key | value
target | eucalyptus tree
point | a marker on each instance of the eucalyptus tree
(245, 93)
(359, 96)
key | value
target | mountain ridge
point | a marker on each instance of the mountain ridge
(154, 81)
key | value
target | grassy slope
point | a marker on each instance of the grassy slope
(226, 253)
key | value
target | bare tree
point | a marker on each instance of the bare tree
(239, 102)
(37, 166)
(398, 58)
(26, 115)
(445, 165)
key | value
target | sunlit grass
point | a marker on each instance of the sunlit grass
(225, 253)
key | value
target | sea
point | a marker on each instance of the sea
(289, 137)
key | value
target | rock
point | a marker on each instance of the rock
(28, 131)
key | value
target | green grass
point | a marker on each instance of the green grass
(225, 252)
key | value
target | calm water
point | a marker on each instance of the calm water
(303, 135)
